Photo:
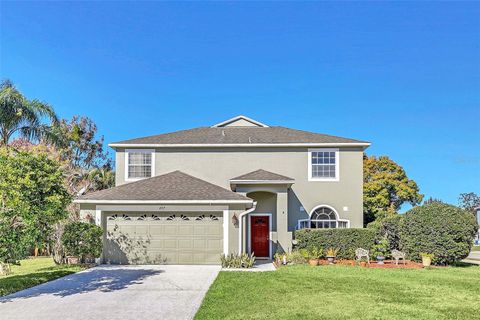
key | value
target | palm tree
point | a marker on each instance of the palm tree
(23, 117)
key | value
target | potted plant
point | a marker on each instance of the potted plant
(380, 250)
(426, 259)
(314, 256)
(331, 254)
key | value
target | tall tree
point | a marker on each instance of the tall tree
(23, 117)
(32, 199)
(88, 165)
(386, 187)
(469, 201)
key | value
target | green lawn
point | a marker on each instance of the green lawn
(31, 272)
(476, 248)
(345, 292)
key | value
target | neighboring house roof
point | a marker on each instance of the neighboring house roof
(262, 175)
(174, 186)
(239, 136)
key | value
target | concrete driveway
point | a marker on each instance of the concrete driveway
(115, 292)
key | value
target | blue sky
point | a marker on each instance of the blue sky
(405, 76)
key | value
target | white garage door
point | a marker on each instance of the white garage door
(164, 238)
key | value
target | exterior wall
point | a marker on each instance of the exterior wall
(219, 165)
(232, 229)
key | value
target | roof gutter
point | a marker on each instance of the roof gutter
(96, 201)
(242, 145)
(262, 181)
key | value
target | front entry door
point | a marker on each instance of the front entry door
(260, 240)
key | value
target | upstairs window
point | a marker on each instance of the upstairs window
(139, 164)
(323, 165)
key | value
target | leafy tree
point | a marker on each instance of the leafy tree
(23, 117)
(88, 165)
(32, 198)
(432, 200)
(469, 201)
(386, 187)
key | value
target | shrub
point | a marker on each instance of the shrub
(82, 240)
(345, 240)
(389, 227)
(233, 260)
(440, 229)
(381, 248)
(298, 256)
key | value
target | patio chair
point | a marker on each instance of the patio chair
(397, 255)
(360, 253)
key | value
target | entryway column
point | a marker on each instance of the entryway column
(284, 237)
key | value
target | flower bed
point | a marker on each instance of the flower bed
(388, 264)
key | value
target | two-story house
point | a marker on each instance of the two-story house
(238, 186)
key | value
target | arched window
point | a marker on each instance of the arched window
(323, 217)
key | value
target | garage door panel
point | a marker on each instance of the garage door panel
(185, 230)
(214, 231)
(141, 230)
(170, 229)
(157, 230)
(185, 258)
(214, 245)
(185, 244)
(188, 238)
(199, 244)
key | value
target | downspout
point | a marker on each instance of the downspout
(240, 231)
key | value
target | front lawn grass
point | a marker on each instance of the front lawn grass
(476, 248)
(345, 292)
(32, 272)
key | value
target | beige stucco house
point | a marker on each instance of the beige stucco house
(238, 186)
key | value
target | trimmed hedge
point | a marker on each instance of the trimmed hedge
(345, 240)
(438, 228)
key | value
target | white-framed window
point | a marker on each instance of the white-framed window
(323, 217)
(139, 164)
(323, 164)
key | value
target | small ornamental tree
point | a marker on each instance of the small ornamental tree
(82, 240)
(440, 229)
(389, 227)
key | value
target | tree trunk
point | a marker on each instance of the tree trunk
(58, 254)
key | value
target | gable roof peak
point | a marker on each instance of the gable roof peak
(240, 121)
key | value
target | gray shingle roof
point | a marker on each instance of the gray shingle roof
(175, 185)
(239, 135)
(262, 175)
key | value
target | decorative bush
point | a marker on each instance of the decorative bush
(389, 227)
(82, 240)
(345, 240)
(440, 229)
(233, 260)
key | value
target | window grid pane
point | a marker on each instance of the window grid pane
(139, 164)
(323, 164)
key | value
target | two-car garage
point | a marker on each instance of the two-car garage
(163, 237)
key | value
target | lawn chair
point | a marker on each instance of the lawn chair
(360, 253)
(397, 255)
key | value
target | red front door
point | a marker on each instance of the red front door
(260, 242)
